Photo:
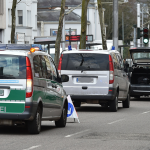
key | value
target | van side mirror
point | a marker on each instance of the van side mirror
(64, 78)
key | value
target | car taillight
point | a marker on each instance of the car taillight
(29, 79)
(60, 63)
(111, 70)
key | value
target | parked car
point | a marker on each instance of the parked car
(95, 76)
(140, 72)
(30, 88)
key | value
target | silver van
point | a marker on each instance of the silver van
(30, 88)
(95, 76)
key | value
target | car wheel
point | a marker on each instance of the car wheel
(63, 119)
(34, 126)
(77, 104)
(126, 103)
(113, 105)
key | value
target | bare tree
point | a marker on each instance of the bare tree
(13, 12)
(102, 24)
(59, 33)
(83, 24)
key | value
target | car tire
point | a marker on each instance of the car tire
(63, 119)
(126, 103)
(34, 126)
(77, 104)
(113, 105)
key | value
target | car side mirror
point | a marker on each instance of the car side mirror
(64, 78)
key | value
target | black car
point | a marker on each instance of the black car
(140, 72)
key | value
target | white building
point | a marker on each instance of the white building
(48, 19)
(26, 21)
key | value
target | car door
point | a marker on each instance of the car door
(50, 96)
(123, 77)
(57, 87)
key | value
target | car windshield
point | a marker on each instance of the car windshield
(12, 67)
(85, 61)
(141, 55)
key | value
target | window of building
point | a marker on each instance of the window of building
(1, 7)
(9, 16)
(20, 17)
(28, 18)
(35, 22)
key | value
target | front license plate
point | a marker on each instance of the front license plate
(1, 92)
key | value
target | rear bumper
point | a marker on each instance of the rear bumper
(110, 96)
(139, 90)
(28, 113)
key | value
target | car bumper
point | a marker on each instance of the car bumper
(110, 96)
(28, 113)
(139, 90)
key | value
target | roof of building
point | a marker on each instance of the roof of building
(52, 16)
(57, 3)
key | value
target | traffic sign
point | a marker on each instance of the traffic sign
(76, 38)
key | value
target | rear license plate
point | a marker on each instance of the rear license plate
(85, 80)
(1, 92)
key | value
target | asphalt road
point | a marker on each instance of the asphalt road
(99, 129)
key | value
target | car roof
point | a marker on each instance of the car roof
(90, 51)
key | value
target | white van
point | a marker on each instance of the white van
(95, 76)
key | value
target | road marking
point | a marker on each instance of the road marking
(116, 121)
(76, 133)
(33, 147)
(145, 112)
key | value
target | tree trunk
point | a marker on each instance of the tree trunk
(83, 24)
(13, 21)
(59, 33)
(102, 25)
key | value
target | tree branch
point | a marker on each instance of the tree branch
(19, 1)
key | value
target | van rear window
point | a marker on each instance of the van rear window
(85, 61)
(12, 67)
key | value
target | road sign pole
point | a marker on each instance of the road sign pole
(63, 34)
(115, 27)
(69, 35)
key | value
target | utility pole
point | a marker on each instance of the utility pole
(138, 22)
(115, 24)
(95, 19)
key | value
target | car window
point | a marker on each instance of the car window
(116, 66)
(120, 60)
(49, 67)
(85, 61)
(43, 66)
(54, 70)
(12, 67)
(37, 67)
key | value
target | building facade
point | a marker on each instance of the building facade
(26, 21)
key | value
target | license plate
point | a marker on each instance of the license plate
(85, 80)
(1, 92)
